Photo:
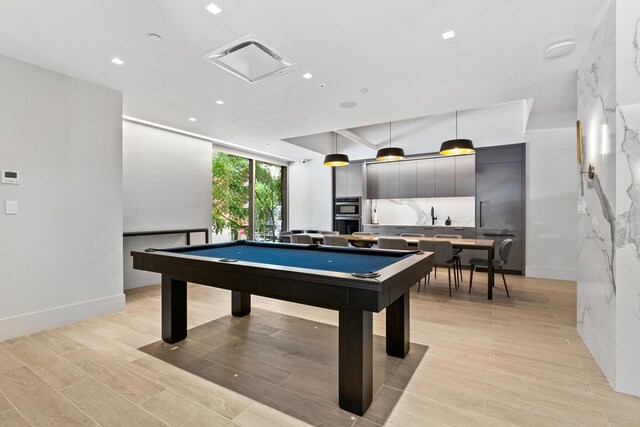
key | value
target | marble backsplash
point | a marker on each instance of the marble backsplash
(461, 210)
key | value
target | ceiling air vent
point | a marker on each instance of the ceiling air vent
(251, 59)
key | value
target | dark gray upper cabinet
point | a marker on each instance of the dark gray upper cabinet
(465, 176)
(374, 181)
(446, 177)
(390, 178)
(426, 178)
(407, 180)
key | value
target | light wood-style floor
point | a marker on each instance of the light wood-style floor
(516, 361)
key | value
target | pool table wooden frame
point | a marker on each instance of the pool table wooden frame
(355, 299)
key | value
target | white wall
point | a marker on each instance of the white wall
(551, 235)
(61, 256)
(310, 195)
(166, 185)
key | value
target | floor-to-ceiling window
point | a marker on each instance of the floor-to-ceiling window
(268, 201)
(248, 199)
(230, 197)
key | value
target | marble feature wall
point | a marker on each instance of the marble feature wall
(609, 205)
(461, 210)
(596, 198)
(627, 242)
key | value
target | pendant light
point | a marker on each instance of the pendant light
(336, 159)
(390, 153)
(454, 147)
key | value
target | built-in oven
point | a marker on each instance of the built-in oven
(347, 224)
(348, 206)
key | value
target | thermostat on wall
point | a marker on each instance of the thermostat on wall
(10, 177)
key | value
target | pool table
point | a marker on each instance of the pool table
(355, 282)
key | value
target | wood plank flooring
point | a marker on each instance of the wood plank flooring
(516, 361)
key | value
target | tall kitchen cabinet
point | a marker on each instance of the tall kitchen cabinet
(349, 180)
(500, 199)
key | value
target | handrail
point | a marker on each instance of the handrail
(186, 231)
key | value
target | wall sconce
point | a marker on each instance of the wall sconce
(591, 171)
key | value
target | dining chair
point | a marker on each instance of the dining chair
(393, 243)
(503, 257)
(329, 233)
(335, 241)
(425, 246)
(412, 235)
(285, 236)
(456, 251)
(302, 238)
(362, 244)
(444, 257)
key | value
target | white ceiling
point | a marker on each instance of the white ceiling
(392, 47)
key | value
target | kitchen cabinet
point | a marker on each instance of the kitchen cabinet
(428, 231)
(500, 199)
(397, 230)
(377, 230)
(390, 178)
(407, 180)
(374, 180)
(446, 177)
(465, 176)
(426, 178)
(348, 180)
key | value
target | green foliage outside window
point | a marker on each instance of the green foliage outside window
(230, 192)
(230, 197)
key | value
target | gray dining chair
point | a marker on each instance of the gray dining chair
(285, 236)
(393, 243)
(412, 235)
(302, 238)
(503, 257)
(444, 257)
(362, 244)
(425, 246)
(329, 233)
(456, 252)
(335, 241)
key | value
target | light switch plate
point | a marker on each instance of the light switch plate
(11, 207)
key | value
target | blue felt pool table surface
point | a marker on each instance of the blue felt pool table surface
(338, 259)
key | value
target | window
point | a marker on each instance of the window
(240, 184)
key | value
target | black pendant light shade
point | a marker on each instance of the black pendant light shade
(336, 159)
(390, 153)
(456, 147)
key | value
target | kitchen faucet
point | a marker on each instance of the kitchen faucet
(433, 218)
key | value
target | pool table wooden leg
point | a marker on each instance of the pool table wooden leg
(240, 303)
(355, 376)
(398, 327)
(174, 309)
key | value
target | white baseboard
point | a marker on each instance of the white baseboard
(551, 272)
(28, 323)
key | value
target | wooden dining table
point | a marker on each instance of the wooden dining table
(473, 244)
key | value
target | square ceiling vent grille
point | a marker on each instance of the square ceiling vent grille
(251, 59)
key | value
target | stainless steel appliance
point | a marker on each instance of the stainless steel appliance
(348, 214)
(348, 206)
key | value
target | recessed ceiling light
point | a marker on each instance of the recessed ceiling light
(348, 104)
(213, 9)
(307, 75)
(117, 61)
(154, 37)
(219, 102)
(448, 35)
(193, 119)
(364, 90)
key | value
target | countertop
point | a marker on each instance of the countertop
(423, 225)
